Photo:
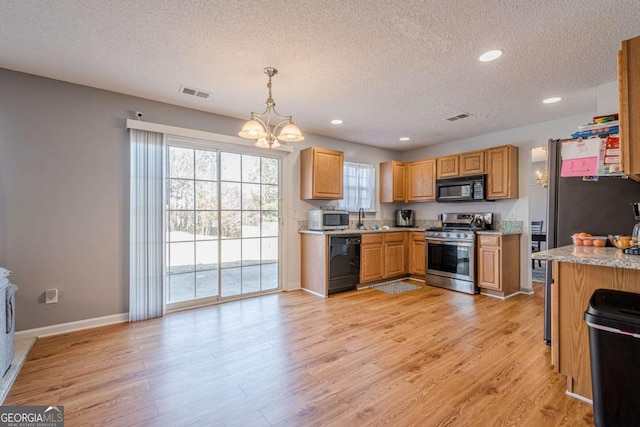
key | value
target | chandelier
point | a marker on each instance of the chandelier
(260, 126)
(542, 179)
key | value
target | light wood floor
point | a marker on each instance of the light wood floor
(430, 357)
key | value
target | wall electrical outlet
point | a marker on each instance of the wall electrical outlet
(512, 214)
(51, 296)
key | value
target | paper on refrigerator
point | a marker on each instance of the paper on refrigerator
(580, 157)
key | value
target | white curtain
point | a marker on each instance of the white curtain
(359, 187)
(146, 281)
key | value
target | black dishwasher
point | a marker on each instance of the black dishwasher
(344, 262)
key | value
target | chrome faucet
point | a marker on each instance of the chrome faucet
(360, 224)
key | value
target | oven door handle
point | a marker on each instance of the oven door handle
(438, 241)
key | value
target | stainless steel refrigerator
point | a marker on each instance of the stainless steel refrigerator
(574, 205)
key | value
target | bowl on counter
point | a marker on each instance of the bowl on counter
(598, 241)
(621, 241)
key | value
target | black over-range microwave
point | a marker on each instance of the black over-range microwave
(462, 189)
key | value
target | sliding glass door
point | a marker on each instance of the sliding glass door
(222, 224)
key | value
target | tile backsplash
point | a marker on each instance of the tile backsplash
(505, 226)
(508, 226)
(370, 223)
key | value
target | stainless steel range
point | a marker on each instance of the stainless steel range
(450, 250)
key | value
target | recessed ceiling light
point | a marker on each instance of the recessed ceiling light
(336, 122)
(552, 100)
(405, 138)
(490, 55)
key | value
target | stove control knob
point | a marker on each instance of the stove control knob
(460, 235)
(445, 234)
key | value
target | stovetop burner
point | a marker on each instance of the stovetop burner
(460, 229)
(460, 226)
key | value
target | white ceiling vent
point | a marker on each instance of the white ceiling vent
(458, 117)
(195, 92)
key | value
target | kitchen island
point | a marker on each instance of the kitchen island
(577, 272)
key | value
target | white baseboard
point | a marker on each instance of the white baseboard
(508, 296)
(577, 396)
(313, 293)
(79, 325)
(295, 286)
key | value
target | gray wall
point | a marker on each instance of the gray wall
(64, 190)
(64, 176)
(64, 193)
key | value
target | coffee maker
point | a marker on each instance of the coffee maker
(405, 218)
(635, 236)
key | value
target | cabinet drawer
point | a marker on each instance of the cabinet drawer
(372, 238)
(394, 237)
(417, 236)
(486, 240)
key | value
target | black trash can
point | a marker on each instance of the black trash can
(614, 342)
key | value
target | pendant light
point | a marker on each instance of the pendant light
(261, 127)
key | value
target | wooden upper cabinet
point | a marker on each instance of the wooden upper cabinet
(502, 172)
(629, 98)
(472, 163)
(392, 182)
(321, 172)
(421, 180)
(448, 167)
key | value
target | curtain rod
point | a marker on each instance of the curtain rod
(198, 134)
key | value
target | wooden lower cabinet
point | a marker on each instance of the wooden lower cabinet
(499, 264)
(371, 257)
(416, 254)
(314, 263)
(383, 255)
(394, 254)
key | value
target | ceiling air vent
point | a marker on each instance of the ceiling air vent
(195, 92)
(458, 117)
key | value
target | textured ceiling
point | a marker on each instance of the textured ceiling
(387, 68)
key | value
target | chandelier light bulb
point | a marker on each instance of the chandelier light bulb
(262, 143)
(291, 133)
(252, 130)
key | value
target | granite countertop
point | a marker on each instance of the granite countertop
(605, 257)
(498, 232)
(356, 231)
(392, 229)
